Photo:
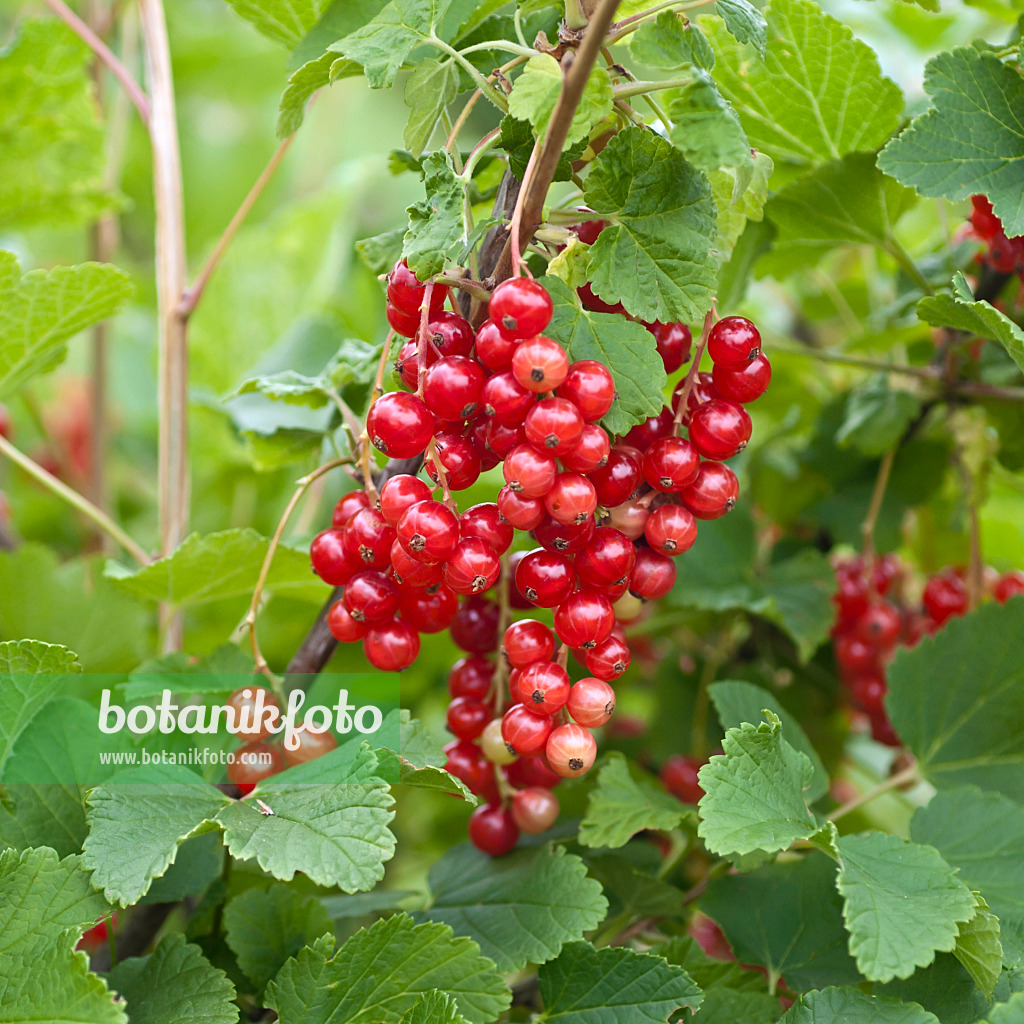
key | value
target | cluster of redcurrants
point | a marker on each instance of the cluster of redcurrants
(609, 517)
(874, 618)
(1003, 254)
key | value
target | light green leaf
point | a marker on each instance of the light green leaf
(435, 225)
(434, 1007)
(739, 198)
(851, 1006)
(627, 348)
(754, 793)
(982, 834)
(175, 984)
(957, 701)
(381, 252)
(978, 947)
(428, 90)
(817, 94)
(737, 702)
(1010, 1012)
(902, 903)
(284, 447)
(655, 255)
(572, 263)
(408, 961)
(137, 820)
(613, 986)
(668, 42)
(302, 83)
(705, 128)
(876, 417)
(537, 89)
(207, 568)
(622, 804)
(41, 311)
(284, 21)
(265, 928)
(520, 909)
(978, 318)
(745, 22)
(972, 140)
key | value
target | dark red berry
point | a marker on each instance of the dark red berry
(1010, 584)
(703, 390)
(543, 687)
(618, 479)
(521, 307)
(398, 493)
(506, 400)
(406, 324)
(343, 627)
(608, 660)
(653, 576)
(607, 558)
(330, 559)
(525, 732)
(371, 597)
(484, 521)
(534, 810)
(470, 677)
(472, 568)
(679, 776)
(410, 571)
(459, 460)
(400, 425)
(545, 578)
(671, 529)
(719, 429)
(590, 387)
(467, 718)
(528, 641)
(734, 342)
(571, 499)
(713, 492)
(945, 596)
(407, 365)
(392, 646)
(529, 472)
(428, 531)
(554, 425)
(879, 626)
(670, 464)
(493, 831)
(674, 342)
(475, 626)
(348, 505)
(466, 762)
(869, 692)
(532, 771)
(368, 536)
(428, 609)
(450, 334)
(493, 349)
(522, 513)
(591, 451)
(744, 385)
(567, 538)
(584, 620)
(406, 291)
(645, 434)
(453, 387)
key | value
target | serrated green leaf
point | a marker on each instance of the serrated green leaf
(198, 865)
(137, 820)
(41, 311)
(409, 960)
(537, 89)
(844, 202)
(655, 254)
(613, 986)
(627, 348)
(210, 567)
(520, 909)
(428, 90)
(978, 318)
(944, 988)
(266, 927)
(435, 225)
(284, 21)
(621, 804)
(381, 252)
(754, 795)
(817, 94)
(797, 591)
(434, 1008)
(957, 701)
(738, 202)
(982, 834)
(972, 140)
(632, 892)
(877, 416)
(312, 76)
(175, 983)
(572, 263)
(851, 1006)
(707, 972)
(1010, 1012)
(978, 947)
(291, 387)
(705, 128)
(902, 903)
(668, 42)
(727, 1006)
(737, 702)
(745, 22)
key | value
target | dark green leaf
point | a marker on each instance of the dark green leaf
(851, 1006)
(877, 416)
(435, 225)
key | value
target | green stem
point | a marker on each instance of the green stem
(520, 50)
(904, 259)
(112, 941)
(643, 88)
(494, 95)
(517, 21)
(909, 774)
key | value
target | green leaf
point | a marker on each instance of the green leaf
(902, 903)
(739, 198)
(435, 225)
(48, 903)
(978, 947)
(978, 318)
(745, 22)
(844, 202)
(668, 42)
(613, 986)
(705, 128)
(877, 416)
(632, 892)
(265, 928)
(52, 160)
(817, 94)
(1010, 1012)
(655, 255)
(851, 1006)
(516, 138)
(428, 90)
(957, 701)
(198, 865)
(137, 820)
(945, 989)
(408, 961)
(302, 83)
(382, 45)
(972, 140)
(41, 311)
(982, 834)
(175, 984)
(537, 89)
(754, 793)
(725, 1005)
(284, 21)
(737, 702)
(622, 804)
(434, 1007)
(381, 252)
(627, 348)
(290, 387)
(284, 447)
(520, 909)
(572, 263)
(787, 917)
(210, 567)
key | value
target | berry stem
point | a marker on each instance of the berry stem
(494, 95)
(867, 530)
(460, 121)
(691, 375)
(474, 288)
(112, 939)
(442, 474)
(363, 441)
(901, 778)
(497, 694)
(895, 249)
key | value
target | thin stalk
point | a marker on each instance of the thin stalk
(867, 529)
(363, 441)
(901, 778)
(494, 95)
(474, 288)
(112, 941)
(691, 374)
(505, 612)
(628, 89)
(904, 259)
(446, 123)
(519, 49)
(77, 501)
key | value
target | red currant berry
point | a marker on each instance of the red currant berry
(608, 660)
(713, 492)
(566, 539)
(256, 710)
(744, 385)
(880, 626)
(496, 438)
(589, 230)
(466, 762)
(703, 390)
(348, 505)
(643, 435)
(524, 731)
(944, 597)
(570, 750)
(329, 558)
(506, 400)
(343, 627)
(571, 499)
(528, 641)
(679, 776)
(617, 480)
(392, 646)
(453, 387)
(472, 568)
(584, 620)
(534, 810)
(883, 732)
(543, 687)
(407, 365)
(670, 464)
(671, 529)
(591, 452)
(674, 342)
(869, 692)
(590, 387)
(545, 578)
(734, 342)
(459, 460)
(720, 429)
(591, 300)
(522, 513)
(407, 292)
(405, 324)
(475, 626)
(521, 307)
(851, 596)
(1010, 585)
(630, 518)
(399, 493)
(540, 364)
(492, 830)
(591, 702)
(467, 718)
(254, 762)
(529, 472)
(653, 576)
(606, 559)
(410, 571)
(400, 425)
(428, 531)
(368, 537)
(532, 771)
(470, 677)
(450, 334)
(855, 657)
(484, 521)
(371, 598)
(428, 610)
(983, 219)
(493, 349)
(311, 745)
(554, 425)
